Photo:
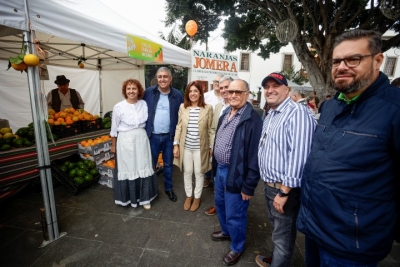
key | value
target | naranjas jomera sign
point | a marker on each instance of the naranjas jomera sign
(206, 65)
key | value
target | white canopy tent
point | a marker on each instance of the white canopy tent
(67, 30)
(294, 86)
(307, 87)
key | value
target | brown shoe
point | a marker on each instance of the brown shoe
(207, 182)
(188, 203)
(231, 258)
(195, 204)
(211, 211)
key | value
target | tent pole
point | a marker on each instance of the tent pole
(41, 139)
(99, 67)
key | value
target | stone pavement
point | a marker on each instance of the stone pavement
(100, 233)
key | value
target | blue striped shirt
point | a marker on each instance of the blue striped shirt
(285, 143)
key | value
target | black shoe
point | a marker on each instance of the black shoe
(171, 195)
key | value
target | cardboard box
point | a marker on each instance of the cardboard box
(96, 149)
(104, 170)
(100, 158)
(106, 180)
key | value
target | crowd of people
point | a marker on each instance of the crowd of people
(335, 178)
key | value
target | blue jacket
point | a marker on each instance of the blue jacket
(151, 96)
(348, 188)
(243, 173)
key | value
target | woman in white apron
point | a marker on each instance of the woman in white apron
(136, 182)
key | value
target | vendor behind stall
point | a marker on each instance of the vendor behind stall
(64, 97)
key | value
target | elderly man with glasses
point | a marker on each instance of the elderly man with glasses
(350, 185)
(235, 168)
(213, 97)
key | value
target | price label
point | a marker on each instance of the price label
(106, 145)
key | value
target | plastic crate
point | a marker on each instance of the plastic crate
(105, 170)
(106, 180)
(91, 126)
(63, 131)
(67, 181)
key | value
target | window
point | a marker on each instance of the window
(245, 61)
(287, 62)
(390, 65)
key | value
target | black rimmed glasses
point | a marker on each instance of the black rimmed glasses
(236, 92)
(350, 62)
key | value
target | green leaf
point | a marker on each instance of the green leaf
(15, 60)
(21, 56)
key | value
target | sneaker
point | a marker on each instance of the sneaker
(147, 206)
(263, 261)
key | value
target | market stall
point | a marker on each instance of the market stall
(19, 165)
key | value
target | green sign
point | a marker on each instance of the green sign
(143, 49)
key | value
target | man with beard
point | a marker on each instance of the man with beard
(348, 204)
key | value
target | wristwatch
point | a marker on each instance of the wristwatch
(281, 193)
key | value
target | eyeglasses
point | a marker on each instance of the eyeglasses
(350, 62)
(237, 92)
(163, 76)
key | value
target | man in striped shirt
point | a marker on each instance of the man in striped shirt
(284, 146)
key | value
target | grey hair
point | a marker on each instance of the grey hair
(374, 39)
(218, 75)
(295, 92)
(164, 69)
(226, 78)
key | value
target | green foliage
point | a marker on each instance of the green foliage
(318, 23)
(179, 76)
(294, 76)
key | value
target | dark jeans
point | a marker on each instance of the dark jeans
(163, 143)
(283, 225)
(317, 257)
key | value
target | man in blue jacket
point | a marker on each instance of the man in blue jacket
(235, 168)
(348, 206)
(163, 103)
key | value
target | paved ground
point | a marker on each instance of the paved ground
(99, 233)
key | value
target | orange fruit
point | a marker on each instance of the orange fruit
(56, 123)
(83, 143)
(31, 60)
(51, 117)
(81, 65)
(21, 66)
(51, 111)
(50, 121)
(62, 114)
(71, 110)
(60, 120)
(75, 118)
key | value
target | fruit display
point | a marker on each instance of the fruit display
(80, 171)
(9, 140)
(69, 116)
(96, 141)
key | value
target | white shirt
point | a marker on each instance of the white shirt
(211, 99)
(126, 117)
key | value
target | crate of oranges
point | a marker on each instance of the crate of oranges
(107, 168)
(95, 146)
(98, 159)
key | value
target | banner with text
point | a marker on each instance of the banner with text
(143, 49)
(205, 65)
